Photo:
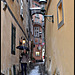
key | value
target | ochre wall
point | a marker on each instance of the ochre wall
(60, 42)
(7, 59)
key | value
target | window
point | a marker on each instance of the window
(13, 40)
(60, 14)
(37, 19)
(37, 53)
(14, 70)
(21, 9)
(36, 31)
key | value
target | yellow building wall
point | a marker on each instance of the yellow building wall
(8, 59)
(60, 42)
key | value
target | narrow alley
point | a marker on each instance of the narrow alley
(36, 69)
(37, 37)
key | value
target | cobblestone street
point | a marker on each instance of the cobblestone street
(36, 69)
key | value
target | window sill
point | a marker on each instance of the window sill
(61, 24)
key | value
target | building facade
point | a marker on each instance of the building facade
(37, 32)
(14, 21)
(59, 37)
(37, 50)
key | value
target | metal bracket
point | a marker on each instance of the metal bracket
(50, 16)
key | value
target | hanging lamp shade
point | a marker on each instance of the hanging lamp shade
(42, 1)
(24, 41)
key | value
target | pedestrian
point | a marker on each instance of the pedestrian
(24, 61)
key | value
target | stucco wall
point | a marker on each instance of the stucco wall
(60, 42)
(7, 59)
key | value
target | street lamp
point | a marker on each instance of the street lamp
(43, 2)
(4, 5)
(23, 41)
(41, 10)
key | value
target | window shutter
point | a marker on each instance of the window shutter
(12, 39)
(14, 69)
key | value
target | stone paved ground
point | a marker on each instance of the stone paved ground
(36, 69)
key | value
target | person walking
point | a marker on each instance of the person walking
(24, 61)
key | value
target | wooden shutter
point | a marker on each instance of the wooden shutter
(13, 39)
(14, 69)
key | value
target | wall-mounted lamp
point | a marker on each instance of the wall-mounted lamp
(23, 41)
(4, 5)
(43, 2)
